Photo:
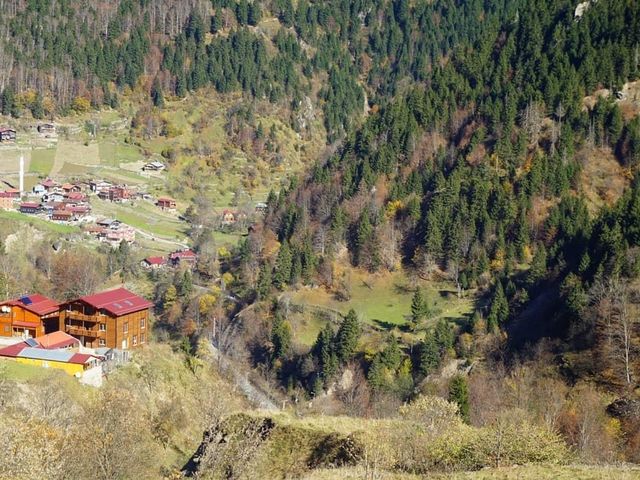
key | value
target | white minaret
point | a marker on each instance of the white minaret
(21, 176)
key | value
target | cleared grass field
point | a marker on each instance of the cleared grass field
(38, 222)
(382, 301)
(42, 161)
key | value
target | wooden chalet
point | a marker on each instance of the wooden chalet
(29, 207)
(62, 216)
(29, 316)
(114, 319)
(47, 129)
(7, 134)
(166, 203)
(186, 256)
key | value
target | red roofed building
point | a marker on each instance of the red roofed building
(187, 256)
(154, 262)
(166, 203)
(115, 319)
(29, 207)
(28, 316)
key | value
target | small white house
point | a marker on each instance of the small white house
(39, 189)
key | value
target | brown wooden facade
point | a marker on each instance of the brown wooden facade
(20, 322)
(99, 328)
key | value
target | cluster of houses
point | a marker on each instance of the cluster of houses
(175, 259)
(77, 335)
(112, 231)
(59, 202)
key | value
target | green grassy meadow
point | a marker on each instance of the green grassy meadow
(383, 302)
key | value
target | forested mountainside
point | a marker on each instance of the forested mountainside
(468, 229)
(68, 52)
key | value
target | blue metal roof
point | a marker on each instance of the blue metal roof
(31, 342)
(42, 354)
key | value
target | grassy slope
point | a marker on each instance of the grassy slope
(38, 222)
(525, 472)
(383, 301)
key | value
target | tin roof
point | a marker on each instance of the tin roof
(117, 302)
(36, 303)
(43, 354)
(13, 350)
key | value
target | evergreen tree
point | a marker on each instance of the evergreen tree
(284, 263)
(443, 336)
(255, 13)
(325, 353)
(459, 394)
(347, 336)
(428, 355)
(8, 101)
(37, 109)
(419, 307)
(185, 285)
(280, 337)
(264, 281)
(156, 94)
(499, 311)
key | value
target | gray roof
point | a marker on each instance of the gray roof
(42, 354)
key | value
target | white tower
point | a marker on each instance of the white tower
(21, 176)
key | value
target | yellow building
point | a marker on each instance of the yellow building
(43, 353)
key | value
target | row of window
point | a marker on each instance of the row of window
(102, 341)
(125, 326)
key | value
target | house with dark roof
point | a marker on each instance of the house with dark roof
(29, 316)
(115, 319)
(7, 134)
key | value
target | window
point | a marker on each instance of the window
(142, 323)
(102, 342)
(142, 338)
(135, 340)
(7, 328)
(125, 327)
(103, 327)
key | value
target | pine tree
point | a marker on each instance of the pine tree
(156, 94)
(443, 336)
(37, 109)
(255, 13)
(264, 281)
(185, 285)
(283, 266)
(325, 353)
(419, 307)
(280, 337)
(499, 311)
(347, 336)
(459, 394)
(428, 355)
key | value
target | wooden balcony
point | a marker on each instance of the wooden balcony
(97, 318)
(86, 332)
